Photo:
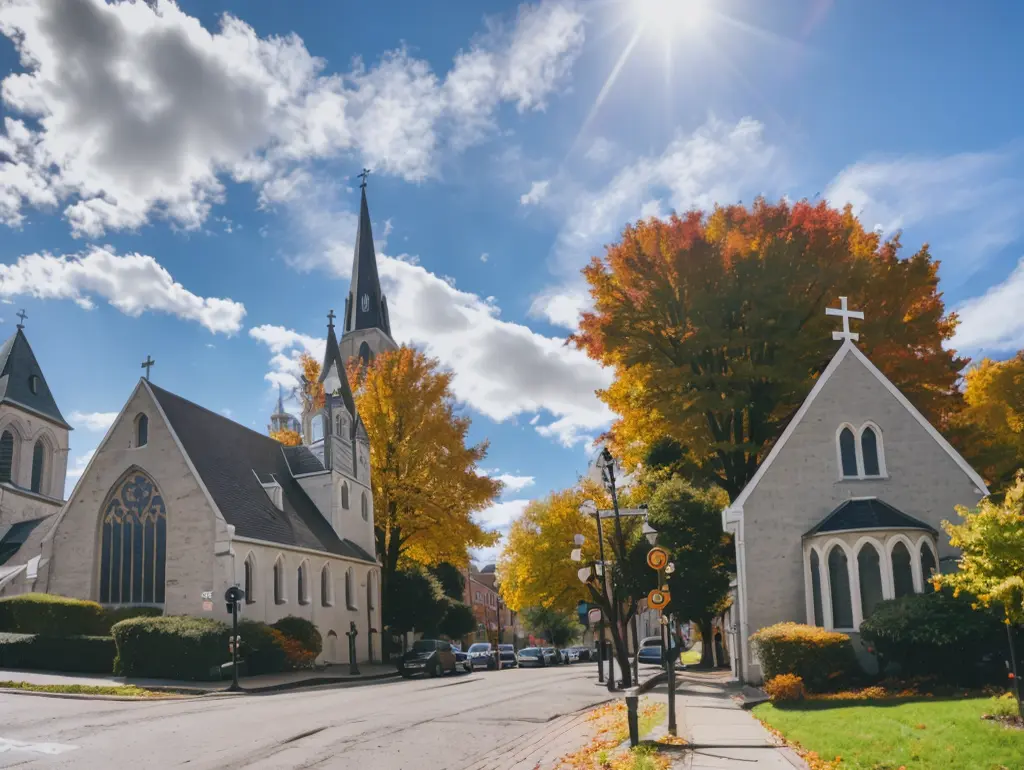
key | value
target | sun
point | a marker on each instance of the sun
(671, 17)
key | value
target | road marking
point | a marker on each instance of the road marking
(52, 749)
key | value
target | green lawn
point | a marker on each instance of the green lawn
(920, 734)
(83, 689)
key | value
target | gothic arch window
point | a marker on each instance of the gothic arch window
(303, 583)
(366, 507)
(869, 451)
(928, 566)
(819, 615)
(249, 578)
(902, 570)
(839, 588)
(141, 430)
(344, 495)
(365, 353)
(38, 465)
(317, 427)
(371, 590)
(326, 587)
(350, 589)
(279, 593)
(848, 452)
(869, 571)
(133, 549)
(7, 456)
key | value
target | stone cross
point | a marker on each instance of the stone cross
(22, 315)
(366, 173)
(846, 314)
(147, 365)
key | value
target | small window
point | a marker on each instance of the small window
(6, 456)
(248, 580)
(928, 567)
(819, 615)
(366, 508)
(848, 453)
(902, 571)
(33, 384)
(869, 451)
(350, 591)
(344, 495)
(839, 583)
(141, 430)
(279, 597)
(869, 567)
(38, 460)
(303, 584)
(326, 587)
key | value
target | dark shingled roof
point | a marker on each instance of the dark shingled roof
(867, 513)
(16, 536)
(302, 460)
(365, 281)
(332, 356)
(231, 460)
(17, 365)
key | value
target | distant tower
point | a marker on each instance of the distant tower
(366, 324)
(281, 420)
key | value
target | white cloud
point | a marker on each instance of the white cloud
(286, 368)
(993, 323)
(96, 421)
(600, 150)
(484, 257)
(132, 283)
(498, 517)
(717, 163)
(137, 110)
(515, 483)
(536, 193)
(78, 467)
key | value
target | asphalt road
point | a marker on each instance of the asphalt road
(455, 722)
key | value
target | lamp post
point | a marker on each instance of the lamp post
(591, 509)
(586, 574)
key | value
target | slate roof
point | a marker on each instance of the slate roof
(231, 460)
(17, 365)
(867, 513)
(301, 460)
(17, 535)
(365, 280)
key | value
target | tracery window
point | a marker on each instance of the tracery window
(134, 543)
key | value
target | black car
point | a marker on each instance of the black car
(508, 656)
(428, 656)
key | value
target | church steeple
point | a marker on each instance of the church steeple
(365, 306)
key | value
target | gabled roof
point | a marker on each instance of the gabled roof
(231, 460)
(847, 349)
(301, 460)
(866, 513)
(365, 281)
(17, 536)
(332, 357)
(17, 366)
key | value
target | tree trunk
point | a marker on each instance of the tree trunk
(707, 643)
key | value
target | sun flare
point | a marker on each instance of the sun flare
(671, 17)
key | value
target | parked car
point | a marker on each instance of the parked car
(650, 650)
(532, 656)
(571, 655)
(508, 656)
(551, 656)
(584, 654)
(481, 655)
(428, 656)
(462, 658)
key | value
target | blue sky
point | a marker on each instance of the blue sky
(179, 182)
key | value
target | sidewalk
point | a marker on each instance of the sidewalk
(251, 684)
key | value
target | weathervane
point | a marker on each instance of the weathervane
(846, 314)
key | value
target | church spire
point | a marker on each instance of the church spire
(365, 306)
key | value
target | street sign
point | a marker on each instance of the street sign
(207, 596)
(657, 558)
(594, 616)
(657, 599)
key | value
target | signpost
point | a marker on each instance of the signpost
(234, 596)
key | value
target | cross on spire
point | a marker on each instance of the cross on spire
(366, 173)
(330, 319)
(846, 314)
(147, 365)
(22, 315)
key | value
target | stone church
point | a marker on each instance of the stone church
(178, 502)
(845, 510)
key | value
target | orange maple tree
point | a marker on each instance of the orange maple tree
(714, 323)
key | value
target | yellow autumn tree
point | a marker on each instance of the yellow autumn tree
(286, 437)
(310, 390)
(426, 488)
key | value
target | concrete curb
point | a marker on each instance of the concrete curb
(316, 682)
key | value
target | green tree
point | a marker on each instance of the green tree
(414, 601)
(452, 581)
(689, 525)
(557, 627)
(458, 621)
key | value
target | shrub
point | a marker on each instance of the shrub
(115, 615)
(295, 653)
(823, 659)
(76, 654)
(302, 631)
(785, 687)
(176, 647)
(1003, 706)
(51, 615)
(260, 648)
(937, 635)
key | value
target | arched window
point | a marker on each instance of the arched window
(365, 354)
(133, 552)
(7, 456)
(279, 596)
(141, 430)
(869, 451)
(350, 589)
(869, 566)
(317, 427)
(848, 453)
(344, 495)
(248, 583)
(902, 572)
(819, 615)
(38, 461)
(928, 567)
(366, 507)
(371, 590)
(839, 583)
(303, 583)
(326, 587)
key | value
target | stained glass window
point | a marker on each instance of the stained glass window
(38, 458)
(6, 455)
(134, 543)
(344, 495)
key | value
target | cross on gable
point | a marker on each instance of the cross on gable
(330, 319)
(147, 365)
(22, 315)
(846, 314)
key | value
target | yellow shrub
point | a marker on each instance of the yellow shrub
(785, 687)
(823, 659)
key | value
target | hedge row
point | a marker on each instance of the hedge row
(52, 615)
(73, 654)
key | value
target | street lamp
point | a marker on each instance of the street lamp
(589, 508)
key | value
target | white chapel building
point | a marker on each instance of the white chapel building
(178, 502)
(845, 510)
